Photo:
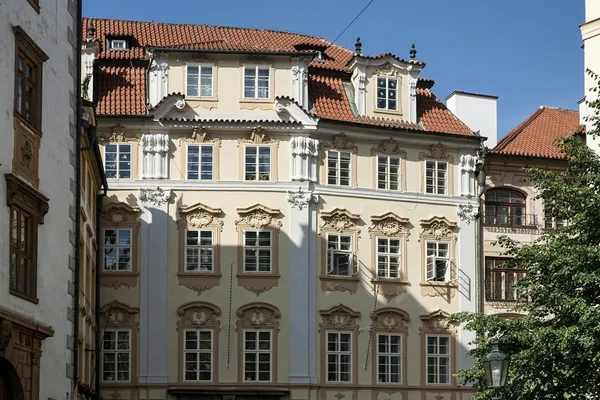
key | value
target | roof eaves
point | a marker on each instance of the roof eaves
(505, 141)
(215, 51)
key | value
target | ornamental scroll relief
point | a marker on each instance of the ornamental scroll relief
(339, 317)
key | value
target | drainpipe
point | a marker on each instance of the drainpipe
(481, 175)
(98, 344)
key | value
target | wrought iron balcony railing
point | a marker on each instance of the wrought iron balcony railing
(510, 220)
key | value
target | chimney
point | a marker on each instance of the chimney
(478, 111)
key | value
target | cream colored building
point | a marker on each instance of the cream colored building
(287, 219)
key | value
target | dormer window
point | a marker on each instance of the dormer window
(319, 56)
(118, 44)
(387, 93)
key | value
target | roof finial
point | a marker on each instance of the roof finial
(358, 45)
(91, 31)
(413, 52)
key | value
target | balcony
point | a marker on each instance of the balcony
(510, 220)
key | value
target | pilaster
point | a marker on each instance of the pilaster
(305, 153)
(155, 151)
(153, 285)
(412, 85)
(468, 164)
(300, 80)
(158, 78)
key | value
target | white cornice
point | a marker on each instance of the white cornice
(289, 107)
(378, 62)
(590, 29)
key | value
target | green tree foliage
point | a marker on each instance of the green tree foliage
(555, 346)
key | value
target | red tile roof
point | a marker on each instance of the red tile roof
(535, 137)
(122, 86)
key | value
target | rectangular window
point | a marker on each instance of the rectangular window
(256, 82)
(339, 357)
(117, 161)
(22, 250)
(257, 251)
(438, 262)
(118, 44)
(117, 249)
(27, 96)
(198, 250)
(338, 168)
(388, 173)
(199, 80)
(339, 255)
(388, 258)
(200, 161)
(387, 94)
(257, 356)
(500, 282)
(116, 356)
(389, 358)
(436, 177)
(198, 347)
(550, 221)
(257, 163)
(438, 359)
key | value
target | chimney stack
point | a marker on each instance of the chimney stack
(478, 111)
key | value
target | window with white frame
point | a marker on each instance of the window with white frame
(438, 261)
(438, 359)
(389, 264)
(339, 166)
(198, 358)
(200, 162)
(258, 251)
(387, 93)
(340, 260)
(257, 163)
(118, 44)
(117, 160)
(256, 82)
(339, 357)
(117, 249)
(257, 356)
(199, 80)
(550, 221)
(116, 355)
(389, 358)
(199, 250)
(388, 173)
(436, 177)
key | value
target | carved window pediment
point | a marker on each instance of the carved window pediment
(198, 314)
(118, 134)
(340, 142)
(390, 319)
(437, 228)
(389, 146)
(118, 315)
(258, 217)
(339, 317)
(117, 214)
(339, 219)
(388, 224)
(199, 216)
(438, 152)
(201, 136)
(258, 136)
(258, 315)
(438, 322)
(388, 69)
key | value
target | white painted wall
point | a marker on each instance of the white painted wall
(590, 33)
(478, 111)
(49, 29)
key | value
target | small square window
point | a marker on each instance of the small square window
(118, 44)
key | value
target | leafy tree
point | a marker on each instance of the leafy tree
(555, 346)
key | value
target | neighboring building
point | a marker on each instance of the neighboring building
(510, 207)
(590, 33)
(38, 114)
(287, 218)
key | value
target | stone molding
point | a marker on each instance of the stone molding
(300, 200)
(155, 197)
(117, 134)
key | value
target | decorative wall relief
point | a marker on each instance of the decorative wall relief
(305, 155)
(155, 151)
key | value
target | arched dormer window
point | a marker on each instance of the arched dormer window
(506, 207)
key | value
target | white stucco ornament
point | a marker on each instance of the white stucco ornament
(180, 104)
(156, 197)
(300, 199)
(468, 166)
(467, 212)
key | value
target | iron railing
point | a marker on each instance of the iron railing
(510, 220)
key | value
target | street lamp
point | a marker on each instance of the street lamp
(495, 364)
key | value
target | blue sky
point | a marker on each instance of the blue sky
(527, 52)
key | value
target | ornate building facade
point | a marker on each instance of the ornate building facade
(287, 218)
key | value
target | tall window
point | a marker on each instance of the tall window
(500, 282)
(438, 359)
(388, 173)
(339, 255)
(438, 262)
(505, 207)
(389, 358)
(338, 167)
(200, 162)
(257, 251)
(199, 250)
(117, 249)
(256, 82)
(117, 160)
(257, 164)
(388, 258)
(257, 356)
(339, 357)
(22, 250)
(436, 177)
(199, 80)
(387, 93)
(198, 356)
(116, 355)
(27, 98)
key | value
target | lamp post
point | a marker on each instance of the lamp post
(495, 364)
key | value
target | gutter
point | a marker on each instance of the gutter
(479, 284)
(98, 344)
(250, 52)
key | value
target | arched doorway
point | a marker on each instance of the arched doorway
(10, 383)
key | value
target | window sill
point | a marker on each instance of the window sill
(199, 281)
(258, 283)
(335, 283)
(439, 289)
(395, 113)
(115, 280)
(395, 281)
(262, 104)
(24, 296)
(199, 274)
(390, 287)
(204, 102)
(28, 124)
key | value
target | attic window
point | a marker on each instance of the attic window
(118, 44)
(319, 56)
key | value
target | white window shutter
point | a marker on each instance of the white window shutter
(430, 273)
(329, 261)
